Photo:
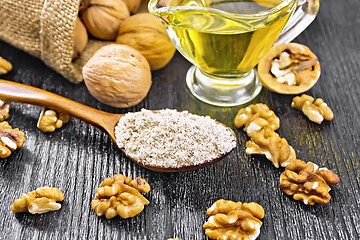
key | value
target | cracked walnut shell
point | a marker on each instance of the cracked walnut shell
(307, 182)
(10, 139)
(255, 118)
(41, 200)
(316, 112)
(289, 69)
(4, 110)
(5, 66)
(270, 144)
(145, 33)
(233, 220)
(121, 196)
(50, 120)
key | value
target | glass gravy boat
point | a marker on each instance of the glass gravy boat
(225, 39)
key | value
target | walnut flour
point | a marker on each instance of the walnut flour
(171, 139)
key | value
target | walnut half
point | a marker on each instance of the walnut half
(307, 182)
(50, 120)
(4, 110)
(41, 200)
(10, 139)
(289, 69)
(5, 66)
(233, 220)
(256, 118)
(275, 148)
(316, 112)
(121, 196)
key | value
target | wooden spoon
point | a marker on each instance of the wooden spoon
(16, 92)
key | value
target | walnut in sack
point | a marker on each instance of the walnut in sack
(10, 139)
(289, 69)
(50, 120)
(4, 110)
(255, 118)
(121, 196)
(80, 38)
(102, 18)
(133, 5)
(5, 66)
(41, 200)
(307, 182)
(233, 220)
(145, 33)
(316, 112)
(117, 75)
(270, 144)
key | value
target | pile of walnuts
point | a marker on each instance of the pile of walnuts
(118, 20)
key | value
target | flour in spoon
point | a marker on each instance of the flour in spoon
(171, 139)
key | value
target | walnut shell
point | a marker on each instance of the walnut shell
(289, 69)
(146, 33)
(133, 5)
(102, 18)
(80, 38)
(117, 75)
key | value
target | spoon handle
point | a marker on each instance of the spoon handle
(16, 92)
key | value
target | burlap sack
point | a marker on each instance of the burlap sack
(45, 29)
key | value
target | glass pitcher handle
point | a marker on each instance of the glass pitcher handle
(303, 16)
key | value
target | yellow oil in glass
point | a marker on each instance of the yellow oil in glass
(220, 43)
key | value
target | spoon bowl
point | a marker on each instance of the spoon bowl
(16, 92)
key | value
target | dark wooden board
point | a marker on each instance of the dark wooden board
(79, 156)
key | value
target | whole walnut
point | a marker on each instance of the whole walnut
(146, 33)
(102, 18)
(80, 38)
(117, 75)
(133, 5)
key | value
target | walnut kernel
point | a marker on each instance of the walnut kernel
(41, 200)
(5, 66)
(275, 148)
(121, 196)
(4, 110)
(316, 112)
(255, 118)
(233, 220)
(307, 183)
(50, 120)
(289, 69)
(10, 139)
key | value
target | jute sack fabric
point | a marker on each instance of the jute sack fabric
(45, 29)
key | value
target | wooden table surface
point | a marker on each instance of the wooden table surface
(79, 156)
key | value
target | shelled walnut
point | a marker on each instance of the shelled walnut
(289, 69)
(5, 66)
(233, 220)
(121, 196)
(10, 139)
(316, 112)
(4, 110)
(270, 144)
(307, 182)
(41, 200)
(50, 120)
(255, 118)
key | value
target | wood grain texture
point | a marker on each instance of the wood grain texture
(79, 156)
